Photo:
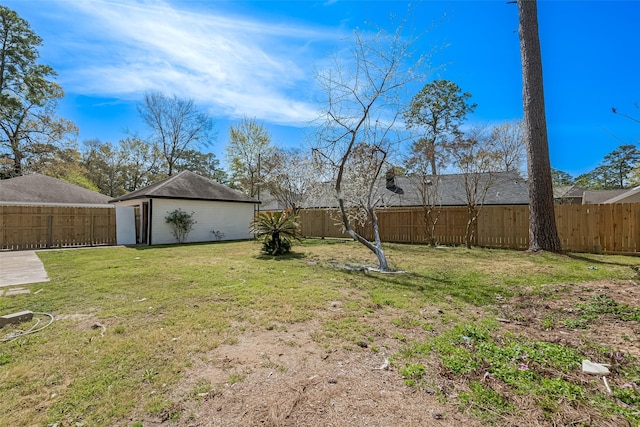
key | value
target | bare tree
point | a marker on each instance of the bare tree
(361, 187)
(363, 106)
(614, 110)
(291, 175)
(178, 125)
(508, 141)
(477, 159)
(427, 186)
(543, 233)
(428, 190)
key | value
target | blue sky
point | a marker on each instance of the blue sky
(257, 59)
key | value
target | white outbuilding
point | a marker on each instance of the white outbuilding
(220, 213)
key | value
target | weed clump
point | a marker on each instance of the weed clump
(499, 368)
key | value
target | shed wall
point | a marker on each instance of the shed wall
(230, 219)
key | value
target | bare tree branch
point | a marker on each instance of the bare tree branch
(359, 129)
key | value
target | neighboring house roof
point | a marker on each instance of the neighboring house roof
(629, 196)
(600, 196)
(37, 188)
(187, 185)
(567, 191)
(269, 202)
(507, 188)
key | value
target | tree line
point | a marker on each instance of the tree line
(180, 135)
(365, 133)
(619, 169)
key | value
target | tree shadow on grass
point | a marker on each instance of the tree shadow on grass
(291, 255)
(144, 247)
(587, 258)
(436, 286)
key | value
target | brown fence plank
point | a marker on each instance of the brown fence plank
(37, 227)
(611, 228)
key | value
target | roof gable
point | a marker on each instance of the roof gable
(188, 185)
(38, 188)
(629, 196)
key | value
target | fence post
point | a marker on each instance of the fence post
(49, 230)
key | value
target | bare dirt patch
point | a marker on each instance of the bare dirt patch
(548, 313)
(282, 376)
(557, 313)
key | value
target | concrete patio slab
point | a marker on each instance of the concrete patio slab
(20, 268)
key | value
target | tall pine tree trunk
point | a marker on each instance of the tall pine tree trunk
(543, 234)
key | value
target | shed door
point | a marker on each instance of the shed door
(142, 223)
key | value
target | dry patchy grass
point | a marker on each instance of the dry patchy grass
(217, 334)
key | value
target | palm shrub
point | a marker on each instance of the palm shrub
(276, 230)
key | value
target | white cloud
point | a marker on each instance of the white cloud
(235, 66)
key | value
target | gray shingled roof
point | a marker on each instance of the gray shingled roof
(37, 188)
(600, 196)
(188, 185)
(507, 188)
(567, 191)
(629, 196)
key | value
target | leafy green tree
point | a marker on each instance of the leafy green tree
(106, 163)
(599, 178)
(122, 168)
(204, 164)
(634, 180)
(177, 124)
(615, 172)
(437, 111)
(133, 163)
(65, 164)
(143, 163)
(621, 163)
(559, 177)
(249, 145)
(62, 163)
(28, 96)
(276, 230)
(543, 232)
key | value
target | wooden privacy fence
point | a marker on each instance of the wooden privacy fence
(37, 227)
(607, 228)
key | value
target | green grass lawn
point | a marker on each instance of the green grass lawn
(130, 321)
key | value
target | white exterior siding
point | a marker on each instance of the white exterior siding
(134, 202)
(229, 218)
